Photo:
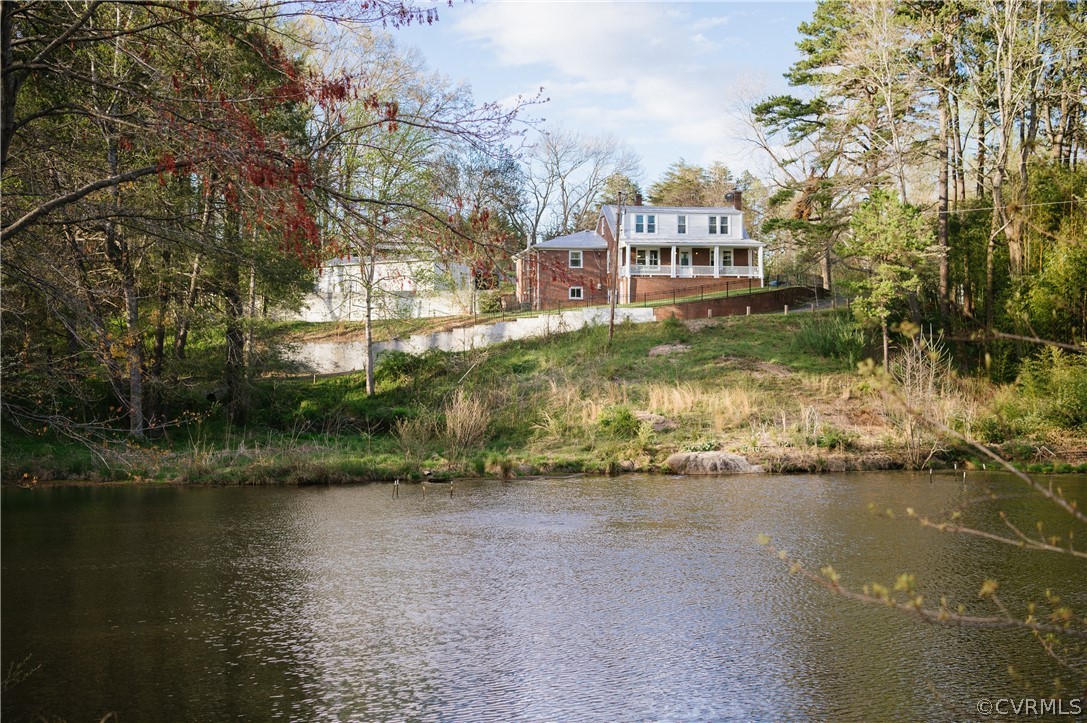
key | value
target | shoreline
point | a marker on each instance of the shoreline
(326, 474)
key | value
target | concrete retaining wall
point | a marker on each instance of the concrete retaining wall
(344, 356)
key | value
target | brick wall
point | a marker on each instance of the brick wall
(556, 277)
(736, 305)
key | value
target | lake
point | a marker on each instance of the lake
(631, 598)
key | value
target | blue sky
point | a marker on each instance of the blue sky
(665, 77)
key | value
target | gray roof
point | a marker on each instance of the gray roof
(579, 240)
(674, 209)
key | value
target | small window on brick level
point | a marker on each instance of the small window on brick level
(575, 259)
(577, 292)
(681, 224)
(726, 257)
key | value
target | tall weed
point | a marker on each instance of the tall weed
(835, 336)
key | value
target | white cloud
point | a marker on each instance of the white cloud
(654, 74)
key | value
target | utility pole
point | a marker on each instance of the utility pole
(613, 272)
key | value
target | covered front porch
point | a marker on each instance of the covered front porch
(692, 261)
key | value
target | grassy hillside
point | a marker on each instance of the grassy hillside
(783, 391)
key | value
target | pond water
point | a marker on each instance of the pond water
(635, 598)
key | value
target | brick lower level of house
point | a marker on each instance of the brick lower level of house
(736, 305)
(656, 288)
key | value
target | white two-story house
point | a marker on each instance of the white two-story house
(661, 250)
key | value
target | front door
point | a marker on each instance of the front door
(684, 263)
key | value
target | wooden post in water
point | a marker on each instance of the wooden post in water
(396, 487)
(450, 488)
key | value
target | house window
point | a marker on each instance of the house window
(719, 221)
(575, 259)
(577, 292)
(645, 223)
(684, 258)
(681, 224)
(726, 257)
(654, 257)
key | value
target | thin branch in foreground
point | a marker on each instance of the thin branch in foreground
(914, 605)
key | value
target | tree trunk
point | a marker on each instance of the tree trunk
(235, 343)
(826, 271)
(10, 81)
(981, 154)
(367, 299)
(158, 352)
(886, 349)
(957, 162)
(236, 387)
(120, 255)
(186, 312)
(251, 313)
(941, 225)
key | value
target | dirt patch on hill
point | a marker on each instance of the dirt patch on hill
(666, 349)
(769, 368)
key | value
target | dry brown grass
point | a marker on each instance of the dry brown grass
(467, 419)
(726, 407)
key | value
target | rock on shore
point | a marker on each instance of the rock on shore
(710, 463)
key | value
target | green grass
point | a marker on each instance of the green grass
(781, 390)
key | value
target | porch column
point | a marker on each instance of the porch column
(762, 276)
(716, 262)
(672, 261)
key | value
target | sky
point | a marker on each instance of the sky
(664, 77)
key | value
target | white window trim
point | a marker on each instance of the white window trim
(580, 293)
(639, 223)
(731, 256)
(651, 223)
(681, 224)
(719, 225)
(580, 260)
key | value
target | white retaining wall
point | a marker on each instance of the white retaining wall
(328, 357)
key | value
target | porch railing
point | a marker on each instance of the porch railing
(687, 272)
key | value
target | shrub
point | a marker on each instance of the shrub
(415, 433)
(466, 421)
(620, 422)
(490, 302)
(835, 336)
(397, 366)
(674, 330)
(1056, 382)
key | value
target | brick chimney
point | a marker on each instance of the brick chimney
(737, 200)
(637, 199)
